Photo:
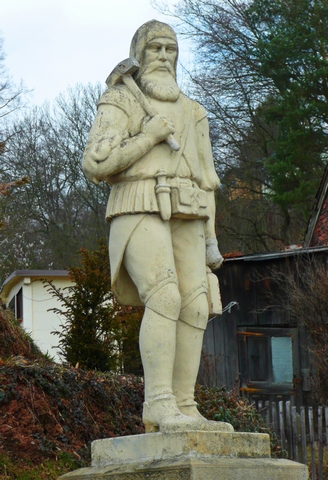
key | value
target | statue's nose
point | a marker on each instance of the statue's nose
(162, 54)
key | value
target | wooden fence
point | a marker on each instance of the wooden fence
(303, 433)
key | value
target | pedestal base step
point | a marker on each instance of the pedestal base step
(196, 469)
(190, 444)
(192, 455)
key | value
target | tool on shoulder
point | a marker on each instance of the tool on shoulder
(123, 73)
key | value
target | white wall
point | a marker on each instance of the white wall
(36, 303)
(37, 320)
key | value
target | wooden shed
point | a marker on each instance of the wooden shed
(255, 346)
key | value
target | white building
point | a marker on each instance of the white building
(27, 296)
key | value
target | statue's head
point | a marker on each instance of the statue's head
(149, 32)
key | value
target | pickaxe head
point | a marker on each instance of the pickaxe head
(127, 67)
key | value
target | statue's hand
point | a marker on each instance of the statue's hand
(90, 168)
(158, 128)
(214, 258)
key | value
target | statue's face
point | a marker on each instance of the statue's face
(162, 51)
(156, 76)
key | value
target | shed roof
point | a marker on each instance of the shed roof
(290, 251)
(17, 275)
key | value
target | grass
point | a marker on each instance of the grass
(48, 470)
(325, 461)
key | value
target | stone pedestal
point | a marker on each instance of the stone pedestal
(192, 455)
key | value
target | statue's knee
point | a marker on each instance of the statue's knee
(166, 301)
(196, 312)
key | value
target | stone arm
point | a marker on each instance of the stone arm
(111, 150)
(210, 183)
(214, 258)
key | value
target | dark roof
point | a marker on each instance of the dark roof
(13, 278)
(270, 256)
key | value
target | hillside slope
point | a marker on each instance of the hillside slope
(50, 412)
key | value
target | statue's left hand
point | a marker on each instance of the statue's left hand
(214, 258)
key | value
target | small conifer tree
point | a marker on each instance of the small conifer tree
(96, 327)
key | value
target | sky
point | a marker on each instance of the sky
(54, 44)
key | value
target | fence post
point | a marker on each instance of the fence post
(303, 435)
(320, 443)
(282, 424)
(297, 431)
(295, 434)
(274, 417)
(312, 440)
(289, 429)
(267, 412)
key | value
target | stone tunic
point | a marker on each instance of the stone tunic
(130, 165)
(133, 189)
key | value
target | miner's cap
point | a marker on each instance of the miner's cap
(148, 32)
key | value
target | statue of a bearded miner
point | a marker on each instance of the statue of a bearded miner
(161, 212)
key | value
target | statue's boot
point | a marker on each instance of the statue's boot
(187, 359)
(162, 414)
(157, 348)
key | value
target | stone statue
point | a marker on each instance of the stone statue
(151, 144)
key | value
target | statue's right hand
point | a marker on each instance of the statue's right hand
(90, 169)
(158, 128)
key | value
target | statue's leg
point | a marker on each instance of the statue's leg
(188, 352)
(187, 359)
(192, 322)
(150, 263)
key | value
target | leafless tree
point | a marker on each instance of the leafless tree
(58, 211)
(12, 98)
(231, 78)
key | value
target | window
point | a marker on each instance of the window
(16, 304)
(267, 357)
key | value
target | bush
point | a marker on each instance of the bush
(97, 333)
(218, 404)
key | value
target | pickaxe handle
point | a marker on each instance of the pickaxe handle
(135, 90)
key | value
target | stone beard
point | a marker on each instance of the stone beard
(157, 83)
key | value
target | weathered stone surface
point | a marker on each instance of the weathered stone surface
(193, 455)
(196, 469)
(166, 446)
